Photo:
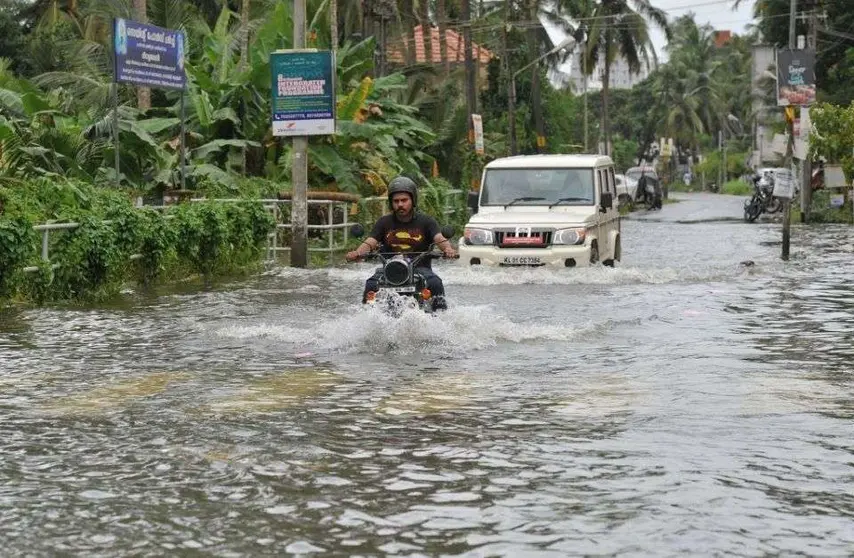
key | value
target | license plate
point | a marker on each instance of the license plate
(521, 260)
(410, 289)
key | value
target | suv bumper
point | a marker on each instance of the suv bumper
(556, 256)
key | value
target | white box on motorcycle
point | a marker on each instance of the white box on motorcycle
(784, 186)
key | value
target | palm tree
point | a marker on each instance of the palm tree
(691, 84)
(619, 28)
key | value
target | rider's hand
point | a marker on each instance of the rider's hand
(352, 256)
(450, 252)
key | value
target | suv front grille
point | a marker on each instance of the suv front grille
(537, 238)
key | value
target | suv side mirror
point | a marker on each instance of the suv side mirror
(606, 201)
(357, 230)
(473, 199)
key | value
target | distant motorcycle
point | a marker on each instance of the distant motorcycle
(763, 199)
(649, 192)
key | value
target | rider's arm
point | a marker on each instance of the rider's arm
(367, 246)
(444, 245)
(442, 242)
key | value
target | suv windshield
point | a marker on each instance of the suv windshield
(538, 187)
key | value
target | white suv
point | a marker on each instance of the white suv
(533, 210)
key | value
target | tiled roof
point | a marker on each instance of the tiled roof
(456, 51)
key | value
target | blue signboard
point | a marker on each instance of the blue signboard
(303, 92)
(148, 55)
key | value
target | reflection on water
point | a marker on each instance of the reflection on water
(680, 404)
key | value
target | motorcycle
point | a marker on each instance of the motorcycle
(400, 286)
(763, 199)
(651, 193)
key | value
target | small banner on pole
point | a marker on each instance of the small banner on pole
(303, 92)
(795, 77)
(148, 55)
(784, 186)
(477, 126)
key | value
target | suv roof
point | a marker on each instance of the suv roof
(549, 161)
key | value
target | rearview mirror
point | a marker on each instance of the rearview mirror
(357, 230)
(473, 199)
(606, 201)
(447, 231)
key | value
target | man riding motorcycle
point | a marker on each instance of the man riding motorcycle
(649, 190)
(405, 230)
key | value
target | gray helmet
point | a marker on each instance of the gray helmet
(403, 184)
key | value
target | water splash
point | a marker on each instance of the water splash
(367, 329)
(458, 274)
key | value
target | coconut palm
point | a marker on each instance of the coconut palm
(619, 28)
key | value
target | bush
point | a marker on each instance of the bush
(17, 242)
(93, 261)
(436, 198)
(821, 212)
(737, 188)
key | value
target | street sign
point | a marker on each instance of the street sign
(795, 77)
(303, 92)
(148, 55)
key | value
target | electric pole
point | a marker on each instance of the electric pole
(536, 97)
(471, 92)
(299, 170)
(790, 145)
(806, 183)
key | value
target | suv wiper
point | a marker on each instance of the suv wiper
(522, 199)
(561, 200)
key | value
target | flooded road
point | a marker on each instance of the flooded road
(681, 404)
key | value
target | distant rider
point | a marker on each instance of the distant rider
(406, 230)
(650, 190)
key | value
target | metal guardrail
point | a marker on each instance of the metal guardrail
(273, 205)
(330, 227)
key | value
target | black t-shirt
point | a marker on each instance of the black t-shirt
(400, 237)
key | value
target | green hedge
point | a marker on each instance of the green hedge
(94, 260)
(822, 212)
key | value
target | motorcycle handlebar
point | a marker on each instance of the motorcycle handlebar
(377, 255)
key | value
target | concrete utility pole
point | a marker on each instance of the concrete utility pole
(790, 145)
(299, 170)
(806, 183)
(333, 26)
(471, 85)
(471, 93)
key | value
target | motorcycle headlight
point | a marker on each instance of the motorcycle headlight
(477, 236)
(568, 236)
(396, 272)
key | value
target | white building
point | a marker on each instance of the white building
(569, 73)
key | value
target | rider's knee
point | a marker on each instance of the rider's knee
(434, 283)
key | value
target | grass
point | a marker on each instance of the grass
(737, 188)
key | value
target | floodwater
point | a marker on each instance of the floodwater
(696, 400)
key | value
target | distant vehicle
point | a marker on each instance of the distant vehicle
(634, 174)
(626, 195)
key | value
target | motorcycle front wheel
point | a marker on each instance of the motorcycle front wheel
(774, 205)
(752, 210)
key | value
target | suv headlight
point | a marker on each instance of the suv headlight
(568, 236)
(478, 237)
